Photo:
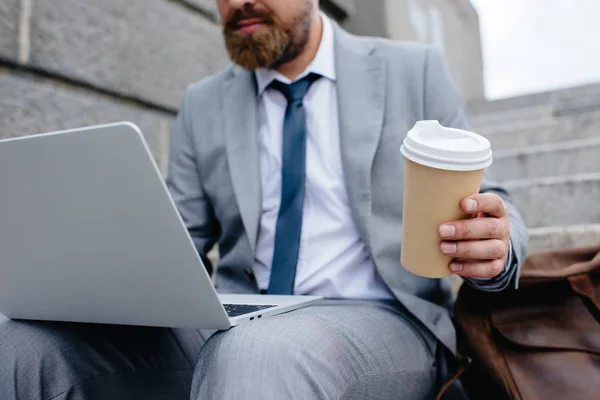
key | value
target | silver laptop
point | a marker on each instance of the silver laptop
(89, 233)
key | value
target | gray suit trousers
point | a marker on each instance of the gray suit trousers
(338, 350)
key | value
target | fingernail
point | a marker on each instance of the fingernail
(448, 248)
(456, 267)
(447, 231)
(471, 205)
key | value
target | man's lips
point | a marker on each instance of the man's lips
(250, 25)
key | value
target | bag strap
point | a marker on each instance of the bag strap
(464, 363)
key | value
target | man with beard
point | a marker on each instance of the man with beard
(289, 160)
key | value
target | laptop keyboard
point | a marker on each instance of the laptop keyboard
(235, 310)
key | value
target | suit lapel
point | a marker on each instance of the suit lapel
(361, 99)
(239, 94)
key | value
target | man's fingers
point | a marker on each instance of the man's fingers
(487, 203)
(475, 249)
(477, 269)
(477, 228)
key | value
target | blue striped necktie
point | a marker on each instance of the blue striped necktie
(293, 178)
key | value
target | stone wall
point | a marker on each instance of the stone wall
(71, 63)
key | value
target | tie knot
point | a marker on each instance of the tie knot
(297, 90)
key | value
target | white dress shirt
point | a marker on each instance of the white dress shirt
(333, 260)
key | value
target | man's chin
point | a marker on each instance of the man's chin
(251, 64)
(254, 57)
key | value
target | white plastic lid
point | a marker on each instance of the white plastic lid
(433, 145)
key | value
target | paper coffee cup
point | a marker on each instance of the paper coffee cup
(442, 167)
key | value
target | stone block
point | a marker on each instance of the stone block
(82, 40)
(29, 106)
(563, 237)
(522, 136)
(169, 48)
(557, 201)
(480, 107)
(573, 126)
(9, 29)
(511, 119)
(554, 159)
(147, 49)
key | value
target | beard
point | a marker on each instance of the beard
(273, 45)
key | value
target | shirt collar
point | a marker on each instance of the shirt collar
(323, 63)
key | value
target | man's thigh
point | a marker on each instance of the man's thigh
(48, 360)
(337, 350)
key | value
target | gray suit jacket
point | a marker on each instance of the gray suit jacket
(384, 88)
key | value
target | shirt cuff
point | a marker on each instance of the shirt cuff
(501, 281)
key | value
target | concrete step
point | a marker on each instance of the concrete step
(589, 92)
(501, 120)
(554, 159)
(563, 237)
(519, 133)
(557, 201)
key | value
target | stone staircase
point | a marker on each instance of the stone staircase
(547, 152)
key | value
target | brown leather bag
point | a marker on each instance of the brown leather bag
(541, 341)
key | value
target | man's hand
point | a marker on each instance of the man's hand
(479, 245)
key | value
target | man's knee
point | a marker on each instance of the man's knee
(273, 359)
(29, 343)
(282, 341)
(44, 359)
(33, 354)
(313, 353)
(274, 345)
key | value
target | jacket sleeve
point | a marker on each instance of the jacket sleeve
(443, 102)
(185, 186)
